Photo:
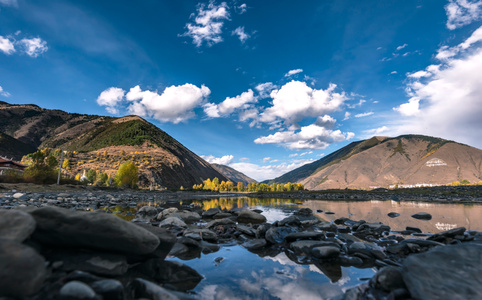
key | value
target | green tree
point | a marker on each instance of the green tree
(52, 161)
(127, 175)
(39, 171)
(91, 175)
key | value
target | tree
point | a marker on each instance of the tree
(127, 175)
(39, 171)
(240, 187)
(66, 164)
(91, 175)
(52, 161)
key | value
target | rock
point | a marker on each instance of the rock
(62, 227)
(147, 212)
(449, 272)
(327, 227)
(167, 240)
(17, 195)
(248, 216)
(163, 214)
(189, 217)
(174, 273)
(16, 225)
(97, 263)
(447, 234)
(204, 234)
(325, 252)
(74, 290)
(367, 249)
(413, 229)
(291, 220)
(211, 212)
(173, 221)
(246, 230)
(306, 246)
(388, 279)
(304, 212)
(422, 216)
(215, 223)
(261, 230)
(254, 244)
(375, 229)
(22, 269)
(109, 289)
(144, 289)
(393, 214)
(82, 276)
(305, 235)
(222, 215)
(276, 235)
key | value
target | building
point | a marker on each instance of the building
(8, 164)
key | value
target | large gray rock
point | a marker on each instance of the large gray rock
(254, 244)
(200, 234)
(168, 211)
(22, 269)
(449, 272)
(369, 250)
(249, 216)
(172, 221)
(62, 227)
(109, 289)
(167, 240)
(276, 235)
(76, 290)
(218, 222)
(147, 212)
(325, 252)
(189, 216)
(16, 225)
(306, 246)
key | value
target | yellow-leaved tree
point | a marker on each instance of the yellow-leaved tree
(126, 175)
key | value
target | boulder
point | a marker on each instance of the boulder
(449, 272)
(388, 279)
(144, 289)
(147, 212)
(74, 290)
(276, 235)
(248, 216)
(189, 216)
(211, 212)
(109, 289)
(367, 249)
(305, 235)
(203, 234)
(16, 225)
(246, 230)
(215, 223)
(22, 269)
(291, 220)
(254, 244)
(173, 222)
(167, 240)
(163, 214)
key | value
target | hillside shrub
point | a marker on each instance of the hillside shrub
(127, 175)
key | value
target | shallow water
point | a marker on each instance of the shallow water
(235, 273)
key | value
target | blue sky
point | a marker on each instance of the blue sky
(262, 86)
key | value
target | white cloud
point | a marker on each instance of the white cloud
(111, 98)
(266, 159)
(229, 105)
(224, 160)
(325, 121)
(462, 12)
(419, 74)
(293, 72)
(208, 25)
(242, 8)
(296, 100)
(13, 3)
(394, 72)
(401, 47)
(264, 89)
(243, 36)
(376, 131)
(364, 114)
(33, 47)
(261, 173)
(347, 116)
(175, 104)
(6, 45)
(449, 102)
(4, 93)
(308, 137)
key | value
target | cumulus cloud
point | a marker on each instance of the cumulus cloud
(241, 9)
(111, 98)
(261, 173)
(229, 105)
(4, 93)
(448, 103)
(446, 52)
(419, 74)
(224, 160)
(312, 136)
(208, 23)
(293, 72)
(347, 116)
(33, 47)
(6, 45)
(266, 159)
(376, 131)
(243, 36)
(175, 104)
(264, 89)
(296, 100)
(462, 12)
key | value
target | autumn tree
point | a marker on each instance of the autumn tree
(127, 175)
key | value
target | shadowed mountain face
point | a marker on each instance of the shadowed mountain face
(102, 143)
(404, 160)
(232, 174)
(13, 148)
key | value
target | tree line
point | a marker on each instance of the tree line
(229, 186)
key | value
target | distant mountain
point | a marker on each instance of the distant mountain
(103, 143)
(232, 174)
(381, 162)
(13, 148)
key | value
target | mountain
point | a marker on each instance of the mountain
(103, 143)
(13, 148)
(380, 162)
(233, 174)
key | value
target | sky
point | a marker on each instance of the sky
(261, 86)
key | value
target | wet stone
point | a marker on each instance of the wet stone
(16, 225)
(109, 289)
(325, 252)
(393, 214)
(248, 216)
(74, 290)
(422, 216)
(276, 235)
(254, 244)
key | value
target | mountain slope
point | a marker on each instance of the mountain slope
(103, 143)
(404, 160)
(305, 171)
(13, 148)
(233, 174)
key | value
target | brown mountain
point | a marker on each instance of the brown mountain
(233, 174)
(404, 160)
(13, 148)
(103, 143)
